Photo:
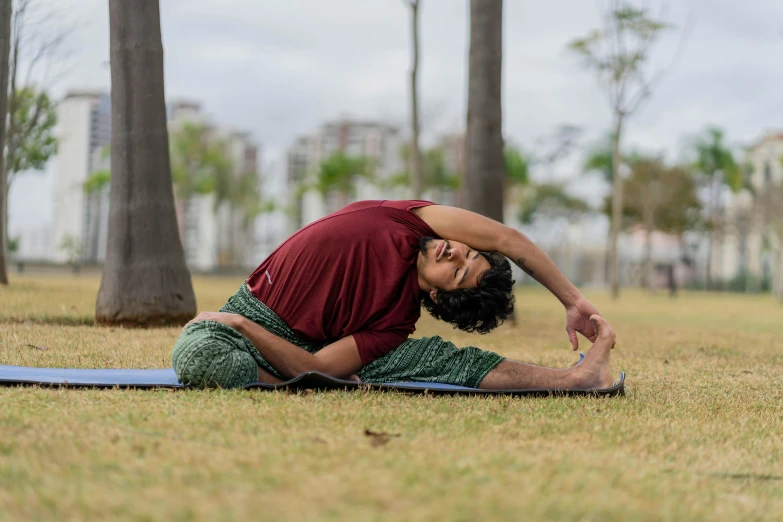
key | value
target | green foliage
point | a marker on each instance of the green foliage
(338, 173)
(713, 157)
(618, 52)
(245, 195)
(437, 175)
(517, 166)
(599, 159)
(550, 200)
(96, 181)
(73, 248)
(666, 196)
(199, 164)
(30, 139)
(13, 244)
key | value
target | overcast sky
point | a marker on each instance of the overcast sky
(280, 68)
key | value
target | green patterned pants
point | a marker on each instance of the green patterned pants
(211, 354)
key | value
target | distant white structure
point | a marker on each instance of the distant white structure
(83, 130)
(376, 140)
(746, 244)
(80, 220)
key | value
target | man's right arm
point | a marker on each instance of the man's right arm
(340, 359)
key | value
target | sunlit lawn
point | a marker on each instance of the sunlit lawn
(698, 437)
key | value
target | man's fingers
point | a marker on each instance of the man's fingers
(574, 339)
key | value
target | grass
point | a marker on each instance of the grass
(698, 437)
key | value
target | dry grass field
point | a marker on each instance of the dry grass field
(699, 435)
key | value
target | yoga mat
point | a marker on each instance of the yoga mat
(165, 378)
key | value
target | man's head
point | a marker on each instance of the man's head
(464, 287)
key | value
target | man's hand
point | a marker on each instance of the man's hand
(232, 320)
(578, 320)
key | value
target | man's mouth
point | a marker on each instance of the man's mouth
(439, 250)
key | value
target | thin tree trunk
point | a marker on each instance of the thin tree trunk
(778, 278)
(145, 280)
(713, 229)
(647, 281)
(483, 177)
(232, 242)
(719, 228)
(617, 207)
(416, 160)
(651, 206)
(5, 49)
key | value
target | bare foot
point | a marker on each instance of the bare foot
(595, 372)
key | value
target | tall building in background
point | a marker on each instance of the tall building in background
(212, 236)
(378, 141)
(80, 220)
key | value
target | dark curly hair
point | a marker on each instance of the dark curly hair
(479, 309)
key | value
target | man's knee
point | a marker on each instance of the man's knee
(212, 355)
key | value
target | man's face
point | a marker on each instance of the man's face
(449, 265)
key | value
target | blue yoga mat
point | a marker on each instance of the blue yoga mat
(165, 378)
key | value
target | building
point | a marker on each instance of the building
(746, 245)
(377, 141)
(211, 237)
(79, 220)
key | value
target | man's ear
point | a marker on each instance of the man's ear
(434, 296)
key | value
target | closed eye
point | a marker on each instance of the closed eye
(467, 255)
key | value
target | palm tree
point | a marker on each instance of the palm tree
(658, 197)
(715, 161)
(241, 194)
(199, 166)
(484, 177)
(417, 170)
(338, 174)
(438, 182)
(618, 53)
(550, 201)
(516, 167)
(145, 280)
(5, 49)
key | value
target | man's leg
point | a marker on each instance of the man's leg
(593, 373)
(434, 360)
(210, 354)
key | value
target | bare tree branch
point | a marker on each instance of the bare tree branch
(661, 74)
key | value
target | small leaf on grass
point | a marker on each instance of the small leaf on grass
(379, 438)
(42, 348)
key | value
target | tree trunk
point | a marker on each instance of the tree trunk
(5, 49)
(713, 229)
(650, 209)
(617, 207)
(145, 280)
(778, 277)
(416, 163)
(483, 177)
(647, 277)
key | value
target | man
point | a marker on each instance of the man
(342, 295)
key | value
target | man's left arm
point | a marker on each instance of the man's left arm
(488, 235)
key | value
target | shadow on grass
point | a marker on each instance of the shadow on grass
(747, 476)
(53, 320)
